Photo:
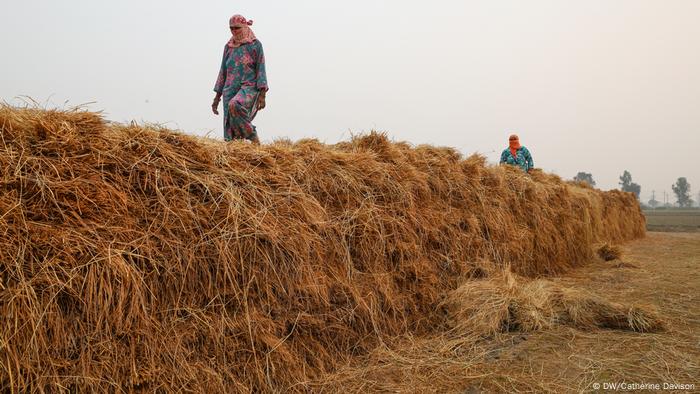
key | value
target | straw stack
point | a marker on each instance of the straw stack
(136, 258)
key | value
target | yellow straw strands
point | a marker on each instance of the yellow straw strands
(136, 258)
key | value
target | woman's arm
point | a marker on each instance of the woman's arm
(220, 82)
(221, 78)
(261, 76)
(503, 157)
(528, 157)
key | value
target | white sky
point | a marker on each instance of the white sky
(589, 85)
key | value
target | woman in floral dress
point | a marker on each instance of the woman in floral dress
(517, 155)
(242, 81)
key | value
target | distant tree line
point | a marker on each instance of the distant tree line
(681, 188)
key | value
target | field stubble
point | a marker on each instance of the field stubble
(681, 220)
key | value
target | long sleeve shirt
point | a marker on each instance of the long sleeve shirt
(243, 66)
(522, 159)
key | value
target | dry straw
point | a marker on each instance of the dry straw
(505, 303)
(486, 316)
(609, 252)
(136, 258)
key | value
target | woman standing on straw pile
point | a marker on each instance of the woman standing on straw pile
(517, 155)
(241, 81)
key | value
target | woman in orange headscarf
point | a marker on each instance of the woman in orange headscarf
(517, 155)
(242, 81)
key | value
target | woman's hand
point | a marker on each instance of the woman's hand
(261, 100)
(215, 105)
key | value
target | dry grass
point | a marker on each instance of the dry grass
(135, 258)
(609, 253)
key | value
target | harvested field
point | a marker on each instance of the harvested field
(662, 269)
(683, 220)
(139, 259)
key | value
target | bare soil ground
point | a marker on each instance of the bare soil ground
(662, 269)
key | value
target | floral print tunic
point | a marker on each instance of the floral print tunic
(241, 78)
(522, 158)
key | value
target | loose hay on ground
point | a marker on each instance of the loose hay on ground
(506, 302)
(609, 252)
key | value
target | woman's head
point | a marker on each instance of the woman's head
(514, 141)
(239, 20)
(240, 31)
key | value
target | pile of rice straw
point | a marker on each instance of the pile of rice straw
(137, 258)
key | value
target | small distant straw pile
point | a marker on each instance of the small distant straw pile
(135, 258)
(609, 252)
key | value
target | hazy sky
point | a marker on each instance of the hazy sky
(591, 85)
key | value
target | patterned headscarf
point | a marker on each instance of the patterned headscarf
(241, 36)
(514, 144)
